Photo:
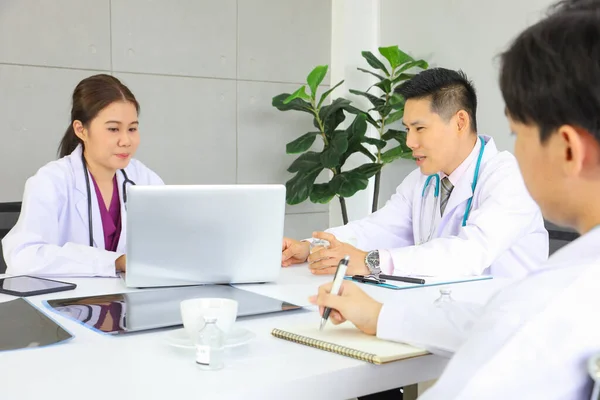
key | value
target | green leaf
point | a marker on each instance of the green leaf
(300, 93)
(396, 101)
(315, 78)
(400, 136)
(330, 157)
(368, 170)
(395, 153)
(306, 162)
(296, 104)
(307, 167)
(333, 121)
(376, 101)
(385, 85)
(395, 56)
(357, 130)
(356, 111)
(362, 149)
(395, 116)
(332, 115)
(356, 134)
(380, 144)
(372, 73)
(300, 186)
(374, 62)
(384, 110)
(348, 183)
(327, 93)
(402, 77)
(414, 64)
(321, 193)
(301, 144)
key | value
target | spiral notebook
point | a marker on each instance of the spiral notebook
(345, 339)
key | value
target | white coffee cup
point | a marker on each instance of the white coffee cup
(193, 312)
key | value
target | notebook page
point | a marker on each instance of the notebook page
(348, 335)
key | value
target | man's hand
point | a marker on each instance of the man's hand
(293, 252)
(325, 260)
(121, 263)
(350, 304)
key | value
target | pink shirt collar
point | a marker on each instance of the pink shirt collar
(460, 171)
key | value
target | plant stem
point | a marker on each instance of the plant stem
(376, 191)
(320, 123)
(378, 175)
(344, 209)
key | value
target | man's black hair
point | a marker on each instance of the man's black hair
(450, 91)
(550, 75)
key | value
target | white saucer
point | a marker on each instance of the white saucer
(237, 337)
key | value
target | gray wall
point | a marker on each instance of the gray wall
(204, 72)
(459, 34)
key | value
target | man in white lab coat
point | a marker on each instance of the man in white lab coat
(482, 219)
(533, 339)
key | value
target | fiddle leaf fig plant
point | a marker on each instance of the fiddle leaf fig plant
(388, 105)
(337, 145)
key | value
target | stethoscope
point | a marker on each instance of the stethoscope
(436, 194)
(89, 196)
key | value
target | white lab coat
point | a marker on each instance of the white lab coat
(531, 341)
(51, 236)
(504, 235)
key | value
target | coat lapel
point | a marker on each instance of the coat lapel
(427, 214)
(121, 247)
(81, 199)
(462, 192)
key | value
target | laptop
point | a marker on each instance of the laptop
(179, 235)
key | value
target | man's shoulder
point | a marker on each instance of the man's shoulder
(559, 281)
(500, 170)
(503, 159)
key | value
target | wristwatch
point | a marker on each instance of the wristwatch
(372, 262)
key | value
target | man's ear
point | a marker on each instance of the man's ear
(571, 149)
(462, 121)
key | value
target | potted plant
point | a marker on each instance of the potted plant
(388, 106)
(337, 145)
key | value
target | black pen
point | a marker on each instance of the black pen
(406, 279)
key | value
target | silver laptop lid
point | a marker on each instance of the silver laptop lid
(190, 234)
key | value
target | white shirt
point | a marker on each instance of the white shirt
(531, 341)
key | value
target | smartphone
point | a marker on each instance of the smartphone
(26, 285)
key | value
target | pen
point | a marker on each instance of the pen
(340, 272)
(406, 279)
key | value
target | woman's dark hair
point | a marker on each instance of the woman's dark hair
(90, 97)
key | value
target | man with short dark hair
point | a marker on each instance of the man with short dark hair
(463, 212)
(534, 338)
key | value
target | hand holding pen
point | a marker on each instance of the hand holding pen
(340, 273)
(350, 303)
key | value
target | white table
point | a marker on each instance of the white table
(143, 366)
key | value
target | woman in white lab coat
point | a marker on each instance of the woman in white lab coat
(489, 223)
(534, 338)
(72, 220)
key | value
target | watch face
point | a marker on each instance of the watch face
(373, 259)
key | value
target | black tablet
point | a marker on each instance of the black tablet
(25, 285)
